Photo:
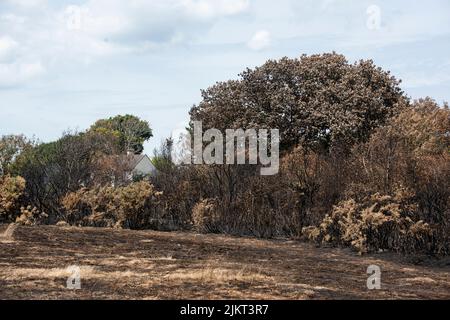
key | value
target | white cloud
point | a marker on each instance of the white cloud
(27, 3)
(7, 48)
(260, 40)
(34, 30)
(13, 71)
(18, 73)
(56, 32)
(157, 21)
(12, 19)
(211, 9)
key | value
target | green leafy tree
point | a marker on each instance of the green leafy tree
(130, 131)
(10, 147)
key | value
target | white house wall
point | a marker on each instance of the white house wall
(144, 167)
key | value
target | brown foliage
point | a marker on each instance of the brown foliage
(133, 206)
(206, 216)
(380, 223)
(31, 216)
(11, 190)
(316, 101)
(410, 152)
(350, 141)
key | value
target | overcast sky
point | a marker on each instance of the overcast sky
(65, 64)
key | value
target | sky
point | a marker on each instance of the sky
(64, 64)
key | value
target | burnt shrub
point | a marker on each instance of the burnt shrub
(206, 216)
(134, 206)
(380, 222)
(11, 192)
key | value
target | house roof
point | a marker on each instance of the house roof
(129, 162)
(134, 159)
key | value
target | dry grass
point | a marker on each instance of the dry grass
(7, 235)
(124, 264)
(219, 275)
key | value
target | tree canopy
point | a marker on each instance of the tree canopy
(130, 131)
(315, 100)
(10, 147)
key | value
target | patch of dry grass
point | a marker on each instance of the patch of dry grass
(86, 273)
(9, 231)
(219, 275)
(124, 264)
(7, 236)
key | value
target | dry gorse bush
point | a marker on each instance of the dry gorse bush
(132, 206)
(31, 216)
(206, 216)
(11, 190)
(379, 223)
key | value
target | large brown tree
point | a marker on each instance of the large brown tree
(316, 101)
